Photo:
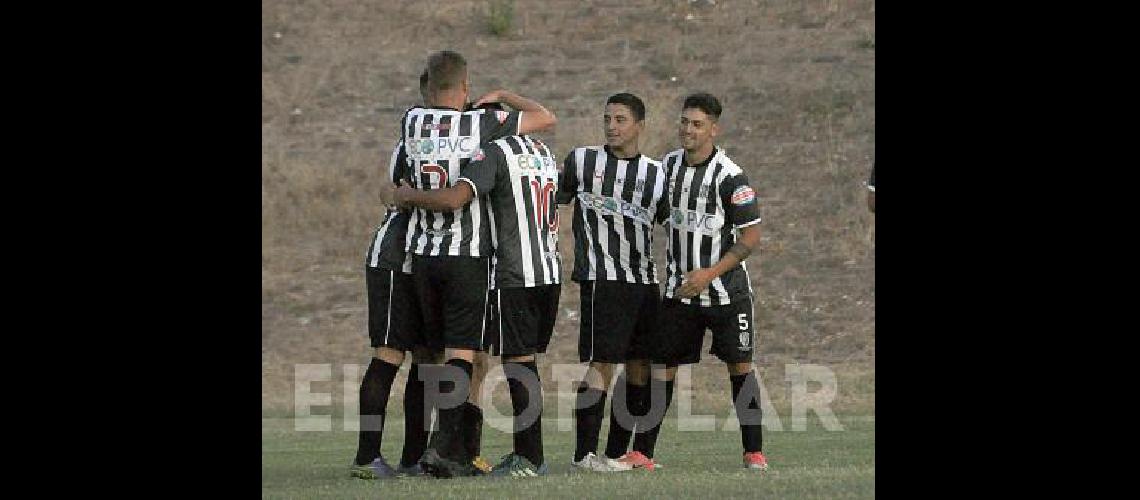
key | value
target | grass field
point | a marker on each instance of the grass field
(815, 463)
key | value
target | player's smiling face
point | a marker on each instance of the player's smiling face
(697, 129)
(621, 127)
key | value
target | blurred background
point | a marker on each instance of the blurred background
(797, 82)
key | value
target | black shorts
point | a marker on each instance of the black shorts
(393, 310)
(453, 299)
(523, 320)
(619, 320)
(683, 328)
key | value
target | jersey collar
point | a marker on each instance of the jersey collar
(703, 163)
(611, 153)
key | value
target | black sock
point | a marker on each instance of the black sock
(472, 428)
(448, 440)
(528, 441)
(748, 412)
(415, 422)
(374, 390)
(645, 441)
(618, 442)
(589, 409)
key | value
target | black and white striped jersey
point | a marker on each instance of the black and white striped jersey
(439, 142)
(708, 203)
(619, 200)
(387, 248)
(517, 178)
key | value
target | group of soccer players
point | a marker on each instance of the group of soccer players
(466, 264)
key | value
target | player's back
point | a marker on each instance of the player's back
(439, 142)
(524, 215)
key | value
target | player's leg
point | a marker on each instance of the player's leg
(417, 412)
(732, 328)
(527, 320)
(604, 337)
(678, 341)
(463, 289)
(376, 385)
(473, 413)
(631, 388)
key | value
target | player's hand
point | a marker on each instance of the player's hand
(401, 194)
(387, 194)
(489, 97)
(696, 281)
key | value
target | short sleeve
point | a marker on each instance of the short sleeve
(482, 170)
(497, 124)
(567, 181)
(741, 206)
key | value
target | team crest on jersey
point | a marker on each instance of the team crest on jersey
(745, 339)
(501, 116)
(743, 195)
(696, 222)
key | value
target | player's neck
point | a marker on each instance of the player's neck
(627, 152)
(453, 100)
(699, 155)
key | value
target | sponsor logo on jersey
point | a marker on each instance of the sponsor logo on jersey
(529, 163)
(743, 195)
(696, 222)
(442, 147)
(438, 232)
(614, 206)
(437, 126)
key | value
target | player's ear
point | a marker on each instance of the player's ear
(714, 130)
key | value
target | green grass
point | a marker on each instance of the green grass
(815, 463)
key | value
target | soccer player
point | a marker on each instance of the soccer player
(394, 324)
(450, 262)
(517, 178)
(620, 193)
(871, 189)
(714, 225)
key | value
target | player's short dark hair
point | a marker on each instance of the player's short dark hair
(446, 70)
(704, 101)
(633, 102)
(424, 83)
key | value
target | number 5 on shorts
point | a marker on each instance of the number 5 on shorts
(745, 334)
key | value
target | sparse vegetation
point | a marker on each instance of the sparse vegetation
(803, 131)
(500, 16)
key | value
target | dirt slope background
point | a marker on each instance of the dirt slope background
(797, 83)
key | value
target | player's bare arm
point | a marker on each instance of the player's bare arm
(439, 200)
(535, 117)
(698, 280)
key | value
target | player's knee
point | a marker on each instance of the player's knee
(479, 363)
(467, 355)
(390, 355)
(599, 375)
(637, 371)
(739, 368)
(665, 372)
(426, 356)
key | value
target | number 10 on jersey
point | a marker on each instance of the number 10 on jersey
(544, 208)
